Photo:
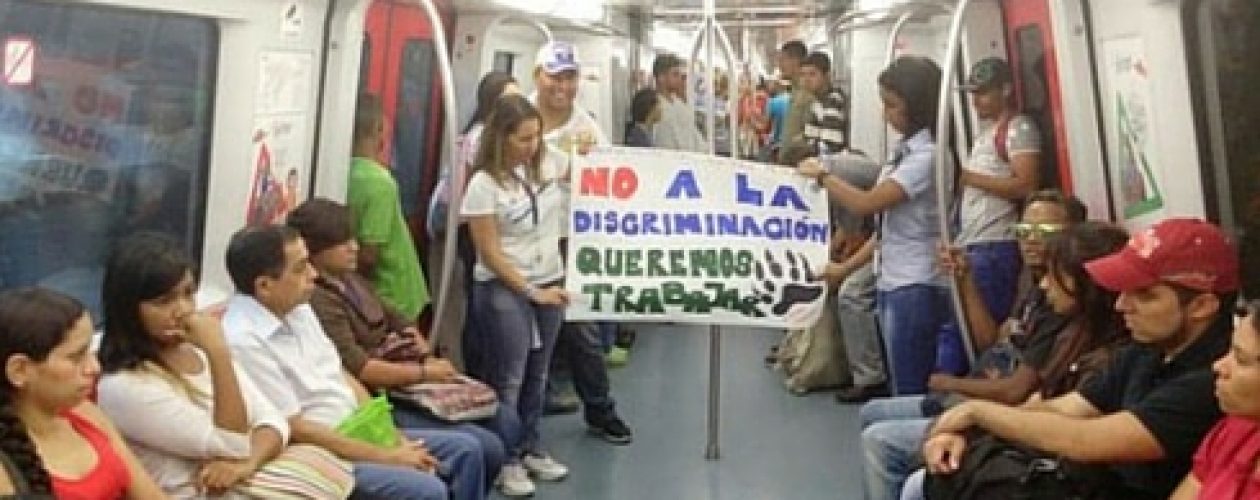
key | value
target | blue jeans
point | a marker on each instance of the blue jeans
(461, 460)
(995, 268)
(494, 435)
(892, 436)
(579, 351)
(913, 490)
(910, 318)
(512, 363)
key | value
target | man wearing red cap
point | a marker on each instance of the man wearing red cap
(1145, 414)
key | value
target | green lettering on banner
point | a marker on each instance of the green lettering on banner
(597, 291)
(723, 298)
(698, 303)
(704, 260)
(654, 266)
(743, 263)
(633, 267)
(622, 302)
(726, 260)
(677, 268)
(673, 293)
(650, 301)
(588, 261)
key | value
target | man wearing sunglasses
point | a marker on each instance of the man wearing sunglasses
(893, 429)
(1001, 171)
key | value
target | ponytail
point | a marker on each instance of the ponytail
(16, 444)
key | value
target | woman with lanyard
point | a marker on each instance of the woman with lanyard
(911, 296)
(513, 205)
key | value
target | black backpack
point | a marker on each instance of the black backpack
(994, 469)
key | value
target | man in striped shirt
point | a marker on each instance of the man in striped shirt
(827, 128)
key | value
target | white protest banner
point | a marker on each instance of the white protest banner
(666, 236)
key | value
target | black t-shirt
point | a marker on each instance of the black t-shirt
(1040, 327)
(1174, 400)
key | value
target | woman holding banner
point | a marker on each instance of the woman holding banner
(513, 207)
(911, 295)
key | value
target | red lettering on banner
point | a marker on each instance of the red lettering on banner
(595, 181)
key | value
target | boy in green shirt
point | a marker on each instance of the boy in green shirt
(387, 254)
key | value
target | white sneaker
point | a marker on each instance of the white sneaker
(514, 481)
(544, 467)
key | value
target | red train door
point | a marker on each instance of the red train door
(1030, 42)
(399, 65)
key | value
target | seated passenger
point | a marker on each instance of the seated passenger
(1225, 465)
(1143, 416)
(1072, 340)
(197, 423)
(61, 443)
(277, 340)
(358, 322)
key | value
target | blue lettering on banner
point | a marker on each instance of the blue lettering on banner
(684, 184)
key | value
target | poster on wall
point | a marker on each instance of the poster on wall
(668, 236)
(1135, 175)
(275, 184)
(276, 162)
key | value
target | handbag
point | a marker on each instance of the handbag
(460, 400)
(372, 423)
(301, 472)
(995, 469)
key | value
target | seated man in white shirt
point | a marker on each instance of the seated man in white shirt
(276, 339)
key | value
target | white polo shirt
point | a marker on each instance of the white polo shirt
(291, 360)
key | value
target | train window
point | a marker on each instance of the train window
(1034, 92)
(110, 137)
(411, 120)
(1228, 44)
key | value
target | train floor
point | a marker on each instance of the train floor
(774, 446)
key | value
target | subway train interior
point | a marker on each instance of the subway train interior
(196, 118)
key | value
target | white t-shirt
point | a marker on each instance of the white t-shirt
(170, 433)
(677, 128)
(529, 230)
(986, 217)
(560, 139)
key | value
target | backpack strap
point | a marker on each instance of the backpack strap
(1000, 139)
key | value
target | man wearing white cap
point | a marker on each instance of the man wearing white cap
(568, 128)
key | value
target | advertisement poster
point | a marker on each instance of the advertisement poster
(1128, 101)
(277, 154)
(668, 236)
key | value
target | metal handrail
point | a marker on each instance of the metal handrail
(944, 106)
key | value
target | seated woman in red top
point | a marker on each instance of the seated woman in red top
(57, 442)
(1228, 461)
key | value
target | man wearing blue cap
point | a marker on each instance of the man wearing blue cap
(567, 128)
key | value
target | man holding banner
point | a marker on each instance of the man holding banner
(567, 130)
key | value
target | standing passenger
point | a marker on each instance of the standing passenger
(567, 127)
(910, 289)
(677, 129)
(791, 55)
(645, 110)
(388, 254)
(513, 207)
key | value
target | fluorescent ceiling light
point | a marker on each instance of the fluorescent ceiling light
(583, 10)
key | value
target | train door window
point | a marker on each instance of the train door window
(1230, 110)
(411, 120)
(1034, 93)
(110, 137)
(504, 61)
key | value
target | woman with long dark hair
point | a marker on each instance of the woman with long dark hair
(60, 444)
(170, 384)
(911, 298)
(513, 208)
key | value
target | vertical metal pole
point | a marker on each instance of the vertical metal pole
(456, 180)
(710, 76)
(712, 450)
(944, 106)
(732, 112)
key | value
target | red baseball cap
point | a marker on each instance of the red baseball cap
(1186, 252)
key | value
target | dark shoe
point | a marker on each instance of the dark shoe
(861, 394)
(611, 429)
(625, 338)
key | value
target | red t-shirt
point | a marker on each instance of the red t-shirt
(1225, 464)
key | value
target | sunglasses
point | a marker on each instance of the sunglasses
(1025, 230)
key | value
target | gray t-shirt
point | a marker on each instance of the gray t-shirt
(986, 217)
(859, 171)
(909, 231)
